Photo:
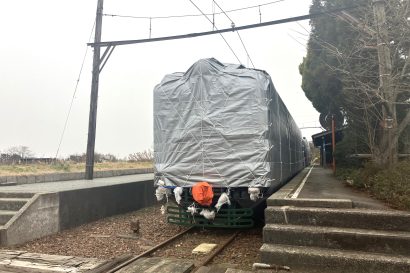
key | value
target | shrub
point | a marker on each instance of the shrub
(349, 145)
(358, 177)
(393, 185)
(390, 185)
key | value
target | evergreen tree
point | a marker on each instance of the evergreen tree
(341, 71)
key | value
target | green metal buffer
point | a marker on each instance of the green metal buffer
(227, 217)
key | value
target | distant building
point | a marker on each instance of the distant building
(323, 141)
(10, 159)
(17, 159)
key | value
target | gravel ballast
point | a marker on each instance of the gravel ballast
(112, 237)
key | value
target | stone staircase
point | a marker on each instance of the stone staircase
(11, 203)
(330, 235)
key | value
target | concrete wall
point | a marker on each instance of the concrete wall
(78, 207)
(51, 177)
(49, 213)
(38, 218)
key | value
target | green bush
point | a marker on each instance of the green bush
(350, 175)
(393, 185)
(358, 177)
(390, 185)
(350, 144)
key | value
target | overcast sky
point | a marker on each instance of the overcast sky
(44, 42)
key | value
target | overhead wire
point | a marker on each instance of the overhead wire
(213, 15)
(217, 30)
(244, 47)
(223, 11)
(239, 35)
(191, 15)
(74, 93)
(305, 40)
(200, 34)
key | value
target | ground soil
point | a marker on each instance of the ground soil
(105, 239)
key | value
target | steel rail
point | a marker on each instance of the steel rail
(149, 251)
(216, 252)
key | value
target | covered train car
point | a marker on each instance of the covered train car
(224, 125)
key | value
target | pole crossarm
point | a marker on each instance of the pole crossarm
(206, 33)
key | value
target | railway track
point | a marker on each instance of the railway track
(198, 263)
(114, 242)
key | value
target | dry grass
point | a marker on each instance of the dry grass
(30, 169)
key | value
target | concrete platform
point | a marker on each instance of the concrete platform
(55, 206)
(306, 202)
(321, 184)
(11, 180)
(59, 186)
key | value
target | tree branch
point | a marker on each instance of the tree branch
(403, 71)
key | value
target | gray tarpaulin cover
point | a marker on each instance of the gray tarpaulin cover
(223, 124)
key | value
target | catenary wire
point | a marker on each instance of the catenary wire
(222, 11)
(74, 93)
(217, 29)
(190, 15)
(244, 47)
(206, 33)
(239, 35)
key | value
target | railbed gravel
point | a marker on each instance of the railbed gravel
(100, 239)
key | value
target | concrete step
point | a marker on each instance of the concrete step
(305, 202)
(390, 242)
(319, 260)
(358, 218)
(5, 216)
(8, 183)
(12, 203)
(16, 194)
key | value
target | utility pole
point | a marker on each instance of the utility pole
(92, 121)
(385, 69)
(324, 152)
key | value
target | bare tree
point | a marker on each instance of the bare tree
(144, 156)
(21, 151)
(375, 72)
